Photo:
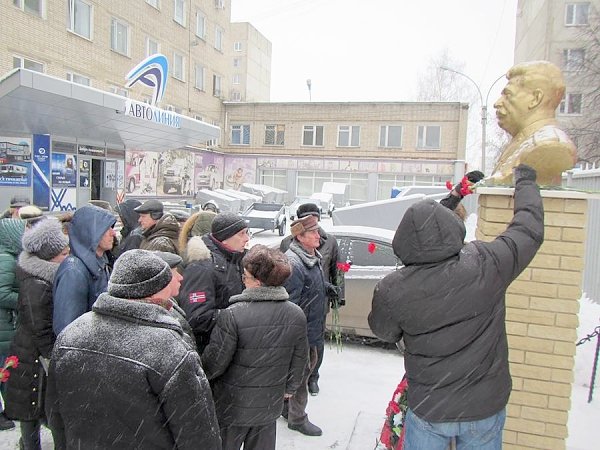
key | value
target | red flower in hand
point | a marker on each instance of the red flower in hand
(393, 408)
(344, 267)
(449, 185)
(4, 374)
(11, 361)
(372, 247)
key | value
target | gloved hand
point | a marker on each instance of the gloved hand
(332, 290)
(475, 176)
(524, 172)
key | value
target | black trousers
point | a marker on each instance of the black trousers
(254, 438)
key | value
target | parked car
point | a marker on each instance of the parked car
(367, 268)
(172, 180)
(301, 201)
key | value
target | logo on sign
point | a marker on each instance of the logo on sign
(152, 72)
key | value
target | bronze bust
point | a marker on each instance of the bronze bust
(526, 110)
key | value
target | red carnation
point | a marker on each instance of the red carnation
(372, 247)
(11, 361)
(449, 185)
(344, 267)
(4, 374)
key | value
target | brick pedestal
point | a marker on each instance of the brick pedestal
(541, 317)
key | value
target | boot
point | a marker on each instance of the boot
(6, 423)
(307, 428)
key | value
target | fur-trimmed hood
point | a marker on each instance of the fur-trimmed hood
(196, 250)
(39, 268)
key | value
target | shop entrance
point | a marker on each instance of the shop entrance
(96, 179)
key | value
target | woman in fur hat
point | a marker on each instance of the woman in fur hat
(44, 248)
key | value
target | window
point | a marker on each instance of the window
(178, 66)
(179, 14)
(24, 63)
(240, 134)
(219, 38)
(119, 37)
(274, 134)
(237, 46)
(152, 47)
(217, 85)
(571, 104)
(199, 78)
(237, 62)
(577, 14)
(312, 135)
(390, 136)
(153, 3)
(81, 18)
(236, 96)
(31, 6)
(236, 78)
(274, 178)
(78, 79)
(200, 25)
(118, 90)
(348, 136)
(573, 58)
(220, 4)
(428, 137)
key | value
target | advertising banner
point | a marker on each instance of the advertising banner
(64, 170)
(84, 173)
(41, 170)
(15, 161)
(110, 175)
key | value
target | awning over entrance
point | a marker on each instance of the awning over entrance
(32, 102)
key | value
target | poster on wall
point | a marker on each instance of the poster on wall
(176, 171)
(141, 172)
(208, 171)
(239, 171)
(120, 173)
(15, 161)
(63, 171)
(84, 173)
(110, 174)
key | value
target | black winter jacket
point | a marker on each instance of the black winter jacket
(163, 236)
(212, 275)
(25, 388)
(306, 288)
(448, 303)
(123, 377)
(257, 352)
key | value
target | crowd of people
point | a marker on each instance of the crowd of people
(172, 334)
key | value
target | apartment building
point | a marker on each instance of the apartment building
(559, 31)
(370, 146)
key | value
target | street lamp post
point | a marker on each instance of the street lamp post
(309, 86)
(483, 109)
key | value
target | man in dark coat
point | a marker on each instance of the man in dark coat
(328, 248)
(213, 273)
(306, 287)
(448, 303)
(83, 275)
(122, 375)
(131, 233)
(257, 353)
(160, 229)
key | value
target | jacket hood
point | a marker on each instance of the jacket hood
(39, 268)
(11, 233)
(428, 233)
(128, 216)
(196, 250)
(85, 231)
(167, 226)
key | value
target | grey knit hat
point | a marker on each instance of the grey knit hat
(226, 224)
(138, 274)
(45, 239)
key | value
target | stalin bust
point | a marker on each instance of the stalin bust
(526, 110)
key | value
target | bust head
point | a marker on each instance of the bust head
(533, 92)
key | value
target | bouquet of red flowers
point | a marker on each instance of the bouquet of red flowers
(11, 361)
(392, 433)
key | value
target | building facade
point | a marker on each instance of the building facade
(562, 32)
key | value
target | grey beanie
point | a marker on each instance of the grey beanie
(226, 224)
(45, 239)
(138, 274)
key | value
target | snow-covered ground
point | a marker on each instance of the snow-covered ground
(357, 382)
